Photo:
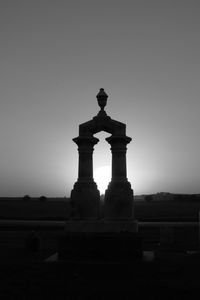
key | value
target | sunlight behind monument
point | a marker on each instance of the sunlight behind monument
(102, 177)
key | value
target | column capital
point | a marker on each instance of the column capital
(118, 143)
(120, 139)
(86, 141)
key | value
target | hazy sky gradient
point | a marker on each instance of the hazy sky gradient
(54, 57)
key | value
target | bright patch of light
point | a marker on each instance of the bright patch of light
(102, 177)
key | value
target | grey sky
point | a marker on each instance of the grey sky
(54, 57)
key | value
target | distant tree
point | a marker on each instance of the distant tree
(148, 198)
(43, 198)
(26, 197)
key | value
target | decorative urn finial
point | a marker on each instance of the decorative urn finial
(102, 98)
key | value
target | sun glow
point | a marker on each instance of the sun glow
(102, 177)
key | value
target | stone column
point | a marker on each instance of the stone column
(85, 197)
(119, 195)
(85, 149)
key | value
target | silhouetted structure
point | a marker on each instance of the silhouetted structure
(85, 197)
(88, 231)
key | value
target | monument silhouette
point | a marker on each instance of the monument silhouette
(85, 197)
(86, 232)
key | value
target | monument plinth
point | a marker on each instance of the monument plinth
(118, 223)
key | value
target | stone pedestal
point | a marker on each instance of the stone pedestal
(101, 226)
(118, 201)
(85, 201)
(89, 247)
(100, 241)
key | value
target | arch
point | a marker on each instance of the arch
(99, 123)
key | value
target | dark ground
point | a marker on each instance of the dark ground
(170, 276)
(24, 274)
(173, 274)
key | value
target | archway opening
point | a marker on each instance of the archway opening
(102, 162)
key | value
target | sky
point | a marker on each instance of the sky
(55, 55)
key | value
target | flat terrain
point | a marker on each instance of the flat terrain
(167, 211)
(59, 209)
(53, 209)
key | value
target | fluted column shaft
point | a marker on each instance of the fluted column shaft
(85, 168)
(85, 149)
(118, 149)
(118, 164)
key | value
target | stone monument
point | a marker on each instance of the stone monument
(85, 198)
(118, 221)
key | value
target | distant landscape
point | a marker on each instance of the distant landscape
(156, 207)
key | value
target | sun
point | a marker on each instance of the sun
(102, 177)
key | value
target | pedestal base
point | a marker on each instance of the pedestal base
(118, 202)
(101, 226)
(107, 241)
(100, 241)
(85, 201)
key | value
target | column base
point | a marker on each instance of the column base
(85, 201)
(118, 201)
